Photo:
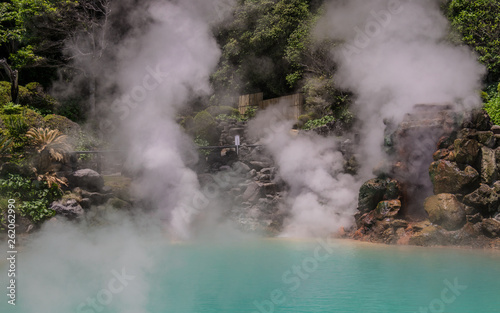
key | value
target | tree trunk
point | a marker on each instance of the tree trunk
(14, 80)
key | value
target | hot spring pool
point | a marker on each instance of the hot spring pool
(262, 276)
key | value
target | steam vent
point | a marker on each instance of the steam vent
(441, 185)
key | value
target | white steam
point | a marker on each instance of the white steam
(162, 70)
(395, 55)
(321, 198)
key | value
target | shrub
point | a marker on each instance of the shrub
(492, 106)
(205, 127)
(318, 122)
(32, 96)
(478, 24)
(61, 123)
(218, 110)
(35, 196)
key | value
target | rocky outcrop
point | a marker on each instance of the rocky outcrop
(69, 209)
(447, 177)
(445, 210)
(86, 179)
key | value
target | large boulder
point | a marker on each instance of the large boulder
(491, 228)
(376, 190)
(445, 210)
(485, 199)
(86, 179)
(489, 171)
(448, 178)
(466, 151)
(67, 208)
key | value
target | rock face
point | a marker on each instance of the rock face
(445, 210)
(67, 208)
(376, 190)
(448, 178)
(485, 199)
(491, 228)
(86, 179)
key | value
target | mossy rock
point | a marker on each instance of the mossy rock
(61, 123)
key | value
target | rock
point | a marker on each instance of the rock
(446, 211)
(467, 133)
(258, 165)
(267, 170)
(428, 236)
(486, 138)
(399, 224)
(86, 179)
(270, 188)
(95, 197)
(119, 204)
(446, 141)
(484, 199)
(67, 208)
(376, 190)
(441, 154)
(473, 219)
(448, 178)
(252, 193)
(387, 209)
(241, 167)
(489, 172)
(495, 129)
(466, 151)
(478, 119)
(491, 228)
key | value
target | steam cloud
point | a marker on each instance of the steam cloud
(395, 55)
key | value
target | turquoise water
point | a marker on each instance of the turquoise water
(279, 276)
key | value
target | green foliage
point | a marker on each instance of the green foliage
(5, 145)
(72, 109)
(322, 97)
(218, 110)
(492, 106)
(61, 123)
(11, 108)
(35, 196)
(478, 22)
(200, 142)
(311, 124)
(17, 127)
(205, 127)
(262, 47)
(32, 96)
(250, 113)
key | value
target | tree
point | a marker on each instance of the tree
(478, 22)
(14, 81)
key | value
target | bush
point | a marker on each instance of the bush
(492, 106)
(478, 24)
(31, 96)
(61, 123)
(205, 127)
(318, 122)
(219, 110)
(35, 196)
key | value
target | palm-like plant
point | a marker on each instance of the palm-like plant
(5, 145)
(49, 142)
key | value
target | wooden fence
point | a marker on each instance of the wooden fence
(295, 101)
